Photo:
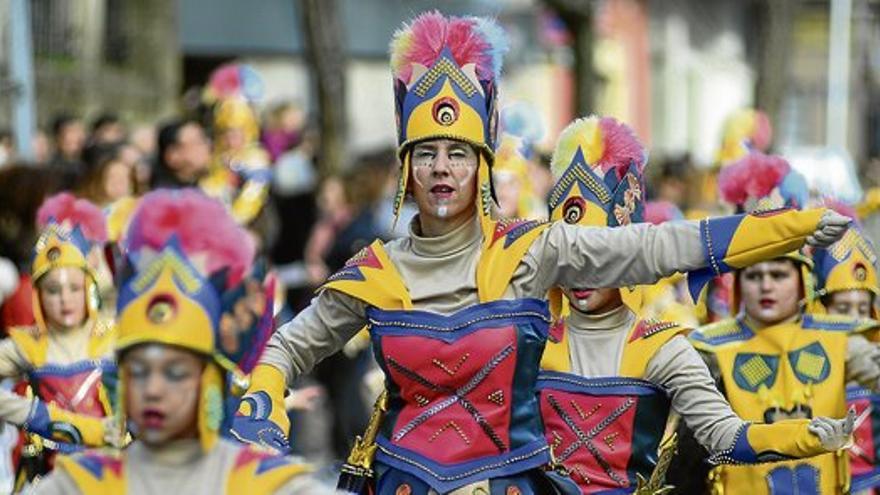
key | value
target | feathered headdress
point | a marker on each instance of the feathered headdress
(70, 229)
(445, 71)
(189, 267)
(231, 90)
(745, 131)
(848, 264)
(759, 182)
(598, 165)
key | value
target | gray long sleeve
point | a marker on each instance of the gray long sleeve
(316, 332)
(574, 256)
(678, 367)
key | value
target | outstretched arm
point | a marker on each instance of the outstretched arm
(678, 367)
(318, 331)
(577, 256)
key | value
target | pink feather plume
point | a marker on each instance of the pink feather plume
(844, 209)
(621, 147)
(202, 226)
(65, 207)
(753, 176)
(470, 40)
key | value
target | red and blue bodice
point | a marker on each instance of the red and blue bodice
(864, 455)
(75, 387)
(462, 406)
(603, 431)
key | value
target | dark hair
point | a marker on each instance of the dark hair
(103, 119)
(61, 121)
(168, 135)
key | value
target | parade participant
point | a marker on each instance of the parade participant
(455, 309)
(181, 333)
(846, 283)
(239, 175)
(520, 130)
(777, 360)
(611, 376)
(64, 356)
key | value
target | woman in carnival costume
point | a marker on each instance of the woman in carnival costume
(846, 285)
(65, 355)
(455, 309)
(611, 376)
(181, 334)
(777, 360)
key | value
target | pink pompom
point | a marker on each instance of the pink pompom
(752, 177)
(66, 208)
(657, 212)
(225, 81)
(621, 147)
(840, 207)
(201, 224)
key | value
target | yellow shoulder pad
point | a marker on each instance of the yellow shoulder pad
(103, 338)
(646, 337)
(371, 277)
(95, 472)
(31, 343)
(556, 357)
(502, 253)
(259, 472)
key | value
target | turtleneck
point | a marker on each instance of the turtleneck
(596, 342)
(70, 345)
(447, 244)
(173, 453)
(610, 321)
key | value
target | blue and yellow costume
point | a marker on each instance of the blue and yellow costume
(64, 369)
(605, 430)
(174, 292)
(458, 321)
(792, 369)
(850, 265)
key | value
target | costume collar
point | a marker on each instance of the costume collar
(613, 320)
(173, 453)
(754, 325)
(444, 245)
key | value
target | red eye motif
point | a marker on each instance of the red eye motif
(445, 111)
(573, 210)
(161, 309)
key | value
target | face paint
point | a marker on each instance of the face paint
(444, 178)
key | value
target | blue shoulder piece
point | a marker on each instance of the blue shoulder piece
(837, 323)
(722, 332)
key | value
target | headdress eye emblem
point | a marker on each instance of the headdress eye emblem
(573, 210)
(161, 309)
(860, 273)
(445, 111)
(53, 253)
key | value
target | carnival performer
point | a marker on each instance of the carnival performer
(513, 170)
(180, 335)
(239, 174)
(455, 309)
(66, 354)
(778, 360)
(846, 285)
(610, 376)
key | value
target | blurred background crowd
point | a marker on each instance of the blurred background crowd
(285, 112)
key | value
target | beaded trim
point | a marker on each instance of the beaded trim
(506, 462)
(714, 262)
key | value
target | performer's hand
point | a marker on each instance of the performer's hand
(834, 434)
(831, 228)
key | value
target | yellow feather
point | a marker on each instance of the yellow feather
(583, 133)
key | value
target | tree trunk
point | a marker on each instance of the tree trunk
(775, 26)
(578, 18)
(325, 55)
